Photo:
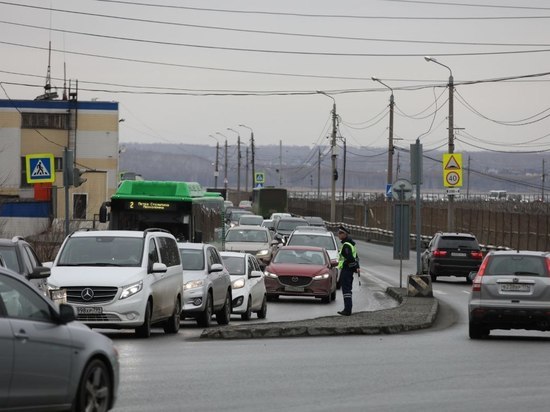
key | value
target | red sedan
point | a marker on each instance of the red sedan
(301, 271)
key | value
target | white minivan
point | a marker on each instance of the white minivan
(122, 279)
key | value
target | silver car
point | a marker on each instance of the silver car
(48, 361)
(511, 290)
(255, 240)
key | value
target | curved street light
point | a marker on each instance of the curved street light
(252, 151)
(391, 149)
(333, 158)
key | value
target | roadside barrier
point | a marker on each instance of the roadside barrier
(419, 286)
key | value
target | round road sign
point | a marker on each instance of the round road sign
(452, 178)
(401, 187)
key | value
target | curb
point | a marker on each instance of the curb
(412, 314)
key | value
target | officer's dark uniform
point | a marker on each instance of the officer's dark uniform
(348, 265)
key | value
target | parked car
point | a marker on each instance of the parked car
(19, 256)
(312, 236)
(206, 284)
(122, 279)
(301, 271)
(251, 220)
(248, 285)
(286, 225)
(451, 254)
(511, 290)
(255, 240)
(315, 221)
(48, 361)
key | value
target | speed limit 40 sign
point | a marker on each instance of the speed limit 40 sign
(452, 170)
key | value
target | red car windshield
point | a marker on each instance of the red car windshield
(301, 257)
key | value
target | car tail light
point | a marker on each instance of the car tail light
(440, 253)
(548, 266)
(476, 284)
(477, 254)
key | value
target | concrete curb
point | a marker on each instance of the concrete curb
(411, 314)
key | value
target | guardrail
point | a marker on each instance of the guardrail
(383, 236)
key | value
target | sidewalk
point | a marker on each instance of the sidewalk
(410, 314)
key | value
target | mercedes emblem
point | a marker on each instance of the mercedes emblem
(87, 294)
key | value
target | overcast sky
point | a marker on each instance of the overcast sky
(416, 28)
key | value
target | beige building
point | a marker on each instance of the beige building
(90, 129)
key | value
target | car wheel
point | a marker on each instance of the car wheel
(333, 295)
(433, 276)
(478, 331)
(263, 311)
(326, 299)
(248, 314)
(172, 325)
(205, 318)
(144, 331)
(224, 314)
(95, 389)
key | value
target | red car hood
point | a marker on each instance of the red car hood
(283, 269)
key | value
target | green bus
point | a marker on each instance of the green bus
(183, 208)
(268, 200)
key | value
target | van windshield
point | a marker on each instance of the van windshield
(102, 251)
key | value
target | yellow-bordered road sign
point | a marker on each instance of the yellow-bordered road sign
(452, 169)
(259, 177)
(40, 168)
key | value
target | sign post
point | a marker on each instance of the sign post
(402, 192)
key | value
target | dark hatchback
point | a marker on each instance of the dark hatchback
(452, 254)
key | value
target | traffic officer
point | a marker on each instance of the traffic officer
(348, 265)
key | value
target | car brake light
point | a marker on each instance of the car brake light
(440, 253)
(477, 254)
(476, 284)
(548, 266)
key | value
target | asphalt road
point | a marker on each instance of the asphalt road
(436, 369)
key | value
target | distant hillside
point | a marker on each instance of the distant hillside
(365, 169)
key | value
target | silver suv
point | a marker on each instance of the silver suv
(206, 284)
(510, 291)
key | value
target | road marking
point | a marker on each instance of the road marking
(439, 292)
(467, 292)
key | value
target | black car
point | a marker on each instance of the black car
(286, 225)
(451, 254)
(19, 256)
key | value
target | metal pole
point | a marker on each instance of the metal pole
(390, 143)
(450, 206)
(543, 179)
(225, 171)
(333, 158)
(216, 172)
(239, 164)
(468, 184)
(402, 230)
(344, 181)
(246, 174)
(319, 175)
(66, 186)
(280, 163)
(418, 211)
(253, 151)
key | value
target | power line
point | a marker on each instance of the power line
(273, 51)
(448, 3)
(311, 15)
(277, 33)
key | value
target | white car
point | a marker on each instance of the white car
(206, 284)
(319, 237)
(121, 279)
(249, 294)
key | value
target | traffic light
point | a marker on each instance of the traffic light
(77, 177)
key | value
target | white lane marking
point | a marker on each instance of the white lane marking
(467, 292)
(439, 292)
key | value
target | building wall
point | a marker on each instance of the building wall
(95, 144)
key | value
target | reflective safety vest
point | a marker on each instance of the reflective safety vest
(341, 258)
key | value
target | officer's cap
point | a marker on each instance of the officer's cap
(342, 229)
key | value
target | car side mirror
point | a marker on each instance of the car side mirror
(67, 313)
(255, 274)
(216, 267)
(40, 272)
(333, 263)
(159, 268)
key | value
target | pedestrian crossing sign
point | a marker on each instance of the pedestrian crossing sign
(40, 168)
(259, 178)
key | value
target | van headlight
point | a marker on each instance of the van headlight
(321, 277)
(193, 284)
(238, 284)
(131, 290)
(263, 252)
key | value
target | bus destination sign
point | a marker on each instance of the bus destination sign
(151, 206)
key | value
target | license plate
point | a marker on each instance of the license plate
(89, 310)
(294, 289)
(458, 254)
(515, 287)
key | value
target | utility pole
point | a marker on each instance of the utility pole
(334, 172)
(217, 172)
(246, 174)
(543, 179)
(225, 171)
(280, 163)
(451, 149)
(252, 150)
(391, 149)
(319, 174)
(344, 180)
(468, 184)
(239, 163)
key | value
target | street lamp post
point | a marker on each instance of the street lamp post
(216, 171)
(238, 158)
(450, 206)
(252, 150)
(225, 181)
(333, 157)
(391, 149)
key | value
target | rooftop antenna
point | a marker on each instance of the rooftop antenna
(48, 94)
(64, 81)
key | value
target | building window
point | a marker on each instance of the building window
(58, 168)
(80, 203)
(45, 121)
